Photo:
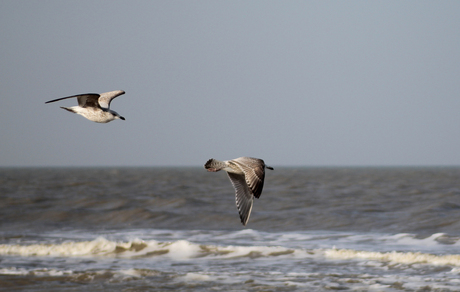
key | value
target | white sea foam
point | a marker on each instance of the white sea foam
(35, 272)
(411, 240)
(194, 277)
(183, 250)
(98, 246)
(13, 271)
(395, 257)
(176, 250)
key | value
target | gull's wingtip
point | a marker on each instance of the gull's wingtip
(116, 92)
(50, 101)
(244, 220)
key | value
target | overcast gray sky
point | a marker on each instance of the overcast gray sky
(296, 83)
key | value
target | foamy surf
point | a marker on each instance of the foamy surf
(177, 250)
(247, 259)
(407, 258)
(99, 246)
(181, 250)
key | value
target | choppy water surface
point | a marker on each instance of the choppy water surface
(156, 229)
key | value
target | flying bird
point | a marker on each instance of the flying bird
(247, 176)
(95, 107)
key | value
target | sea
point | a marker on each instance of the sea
(178, 229)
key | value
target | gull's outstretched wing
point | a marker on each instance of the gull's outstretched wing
(244, 197)
(84, 100)
(106, 98)
(254, 173)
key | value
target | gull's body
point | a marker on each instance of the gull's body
(95, 107)
(247, 175)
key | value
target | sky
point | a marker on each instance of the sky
(296, 83)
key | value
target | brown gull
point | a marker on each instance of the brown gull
(247, 176)
(93, 106)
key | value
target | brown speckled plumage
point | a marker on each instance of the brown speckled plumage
(247, 176)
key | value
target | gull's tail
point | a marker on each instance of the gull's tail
(69, 109)
(214, 165)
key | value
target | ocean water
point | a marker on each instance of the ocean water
(160, 229)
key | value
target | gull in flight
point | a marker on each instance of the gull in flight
(95, 107)
(247, 176)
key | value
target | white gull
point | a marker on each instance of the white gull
(95, 107)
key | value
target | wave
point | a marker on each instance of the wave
(186, 250)
(177, 250)
(394, 257)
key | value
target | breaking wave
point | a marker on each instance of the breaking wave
(407, 258)
(178, 250)
(186, 250)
